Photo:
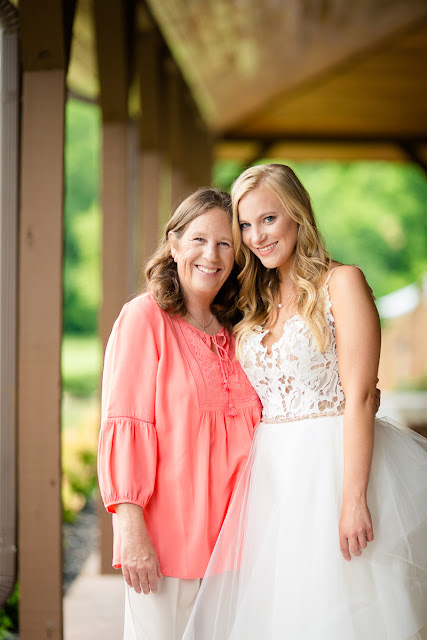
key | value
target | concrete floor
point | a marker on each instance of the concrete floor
(94, 605)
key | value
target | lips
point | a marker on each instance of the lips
(267, 248)
(206, 269)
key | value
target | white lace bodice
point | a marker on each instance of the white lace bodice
(295, 380)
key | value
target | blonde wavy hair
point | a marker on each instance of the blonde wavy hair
(161, 270)
(260, 286)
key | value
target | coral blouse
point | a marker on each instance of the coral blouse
(176, 430)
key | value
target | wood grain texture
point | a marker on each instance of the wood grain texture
(40, 332)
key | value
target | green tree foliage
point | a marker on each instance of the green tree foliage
(9, 616)
(82, 218)
(371, 213)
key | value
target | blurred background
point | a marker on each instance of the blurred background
(121, 108)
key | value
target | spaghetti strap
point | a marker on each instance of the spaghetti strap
(337, 267)
(344, 265)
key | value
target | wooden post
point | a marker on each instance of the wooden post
(201, 151)
(177, 142)
(40, 333)
(112, 20)
(151, 157)
(45, 37)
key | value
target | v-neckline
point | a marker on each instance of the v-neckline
(270, 348)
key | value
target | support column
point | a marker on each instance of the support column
(40, 333)
(199, 148)
(114, 35)
(46, 29)
(178, 141)
(115, 257)
(151, 156)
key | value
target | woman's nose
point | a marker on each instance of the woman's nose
(256, 236)
(211, 251)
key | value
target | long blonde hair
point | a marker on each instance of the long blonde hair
(259, 285)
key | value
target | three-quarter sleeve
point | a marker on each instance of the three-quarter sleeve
(127, 451)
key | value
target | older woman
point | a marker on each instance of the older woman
(178, 416)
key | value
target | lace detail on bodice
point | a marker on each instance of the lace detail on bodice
(295, 380)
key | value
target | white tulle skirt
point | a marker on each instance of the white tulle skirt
(277, 571)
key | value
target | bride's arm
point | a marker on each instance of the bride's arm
(358, 347)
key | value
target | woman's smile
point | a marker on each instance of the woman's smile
(207, 270)
(268, 248)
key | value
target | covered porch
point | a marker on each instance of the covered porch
(179, 85)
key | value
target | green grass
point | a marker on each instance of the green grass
(81, 365)
(81, 376)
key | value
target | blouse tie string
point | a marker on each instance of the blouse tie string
(220, 342)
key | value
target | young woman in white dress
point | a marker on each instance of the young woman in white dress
(325, 538)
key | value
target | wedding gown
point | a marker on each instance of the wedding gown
(277, 571)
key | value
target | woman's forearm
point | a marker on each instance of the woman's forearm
(132, 521)
(358, 446)
(140, 565)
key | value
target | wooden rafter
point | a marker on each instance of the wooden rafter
(46, 30)
(114, 45)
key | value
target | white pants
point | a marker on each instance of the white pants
(162, 615)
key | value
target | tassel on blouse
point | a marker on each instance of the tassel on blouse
(224, 361)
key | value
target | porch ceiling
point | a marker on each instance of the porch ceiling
(288, 73)
(295, 77)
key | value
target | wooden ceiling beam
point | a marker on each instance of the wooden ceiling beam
(46, 31)
(414, 154)
(249, 152)
(114, 46)
(274, 139)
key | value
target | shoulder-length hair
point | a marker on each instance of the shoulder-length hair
(161, 271)
(259, 285)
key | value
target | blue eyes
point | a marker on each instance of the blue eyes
(267, 220)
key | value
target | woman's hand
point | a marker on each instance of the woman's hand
(140, 566)
(355, 529)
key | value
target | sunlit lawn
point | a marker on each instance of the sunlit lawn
(81, 375)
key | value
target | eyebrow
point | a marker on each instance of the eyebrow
(264, 214)
(202, 233)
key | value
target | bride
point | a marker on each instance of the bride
(325, 538)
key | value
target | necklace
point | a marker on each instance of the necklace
(199, 323)
(280, 305)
